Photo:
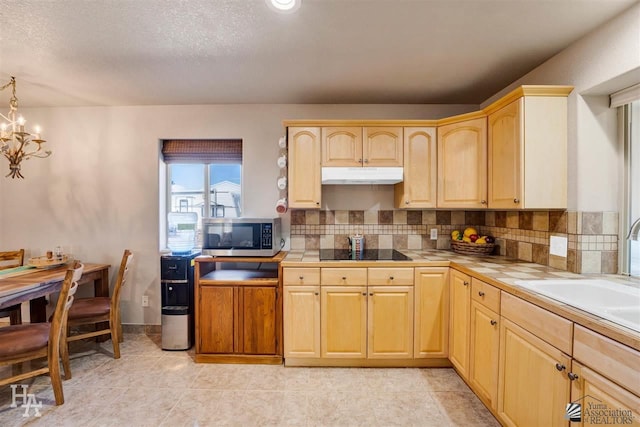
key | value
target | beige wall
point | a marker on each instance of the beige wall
(99, 191)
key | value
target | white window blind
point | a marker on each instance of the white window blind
(625, 96)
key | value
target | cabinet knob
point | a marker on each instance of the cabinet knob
(364, 294)
(316, 293)
(480, 293)
(572, 376)
(318, 203)
(483, 202)
(516, 200)
(390, 277)
(370, 294)
(344, 277)
(406, 202)
(560, 367)
(465, 283)
(301, 277)
(494, 322)
(366, 160)
(359, 160)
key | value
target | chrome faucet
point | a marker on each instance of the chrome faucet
(633, 230)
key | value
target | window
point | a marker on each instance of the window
(631, 251)
(204, 176)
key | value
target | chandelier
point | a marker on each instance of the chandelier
(15, 143)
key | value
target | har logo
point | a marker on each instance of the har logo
(28, 400)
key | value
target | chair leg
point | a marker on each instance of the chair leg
(56, 381)
(115, 339)
(64, 354)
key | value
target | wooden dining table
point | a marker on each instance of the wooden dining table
(33, 284)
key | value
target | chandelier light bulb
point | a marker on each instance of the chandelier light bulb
(21, 121)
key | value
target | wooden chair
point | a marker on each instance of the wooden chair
(11, 259)
(20, 343)
(96, 310)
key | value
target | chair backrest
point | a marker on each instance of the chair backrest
(123, 273)
(65, 299)
(10, 259)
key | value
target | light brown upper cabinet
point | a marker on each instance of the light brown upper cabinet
(362, 146)
(527, 141)
(462, 164)
(304, 167)
(418, 189)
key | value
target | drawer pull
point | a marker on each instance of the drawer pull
(390, 277)
(572, 376)
(480, 293)
(494, 322)
(560, 367)
(301, 277)
(344, 278)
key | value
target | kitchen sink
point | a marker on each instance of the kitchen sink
(613, 301)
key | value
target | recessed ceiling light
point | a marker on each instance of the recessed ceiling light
(284, 6)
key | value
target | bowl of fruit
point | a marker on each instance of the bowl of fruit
(469, 242)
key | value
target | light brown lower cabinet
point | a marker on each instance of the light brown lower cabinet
(390, 322)
(431, 318)
(460, 302)
(301, 321)
(343, 320)
(533, 385)
(602, 401)
(484, 350)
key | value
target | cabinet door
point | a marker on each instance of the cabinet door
(304, 168)
(382, 146)
(342, 146)
(259, 319)
(505, 157)
(462, 164)
(532, 391)
(431, 313)
(418, 188)
(596, 393)
(216, 320)
(301, 321)
(460, 288)
(483, 355)
(390, 322)
(343, 317)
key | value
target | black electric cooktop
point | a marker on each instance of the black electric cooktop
(369, 255)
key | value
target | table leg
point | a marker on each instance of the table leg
(38, 310)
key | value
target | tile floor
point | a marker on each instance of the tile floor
(151, 387)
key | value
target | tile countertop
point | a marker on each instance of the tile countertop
(498, 271)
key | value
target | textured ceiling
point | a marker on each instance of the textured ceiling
(159, 52)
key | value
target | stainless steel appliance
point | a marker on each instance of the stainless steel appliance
(241, 236)
(176, 282)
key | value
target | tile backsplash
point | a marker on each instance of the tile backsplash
(592, 236)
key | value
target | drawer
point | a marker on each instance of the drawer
(390, 276)
(343, 276)
(485, 294)
(301, 276)
(616, 361)
(550, 327)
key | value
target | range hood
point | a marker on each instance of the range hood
(361, 175)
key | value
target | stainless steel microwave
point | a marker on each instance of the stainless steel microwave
(241, 236)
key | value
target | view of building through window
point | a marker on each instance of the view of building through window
(209, 190)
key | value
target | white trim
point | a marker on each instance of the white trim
(625, 96)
